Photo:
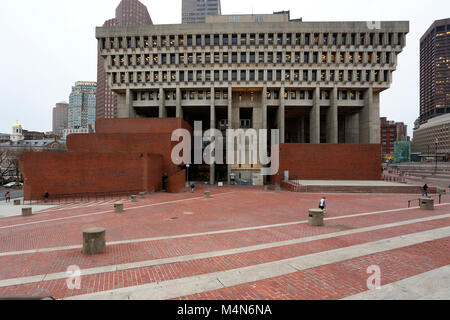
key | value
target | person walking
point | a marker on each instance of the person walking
(192, 188)
(8, 197)
(323, 204)
(425, 190)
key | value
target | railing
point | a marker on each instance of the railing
(410, 201)
(74, 198)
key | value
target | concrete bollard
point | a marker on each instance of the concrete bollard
(27, 212)
(207, 194)
(17, 202)
(315, 217)
(94, 241)
(277, 189)
(134, 198)
(266, 188)
(118, 207)
(142, 195)
(427, 204)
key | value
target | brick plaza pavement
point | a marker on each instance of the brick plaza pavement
(242, 243)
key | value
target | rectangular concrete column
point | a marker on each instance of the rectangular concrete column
(230, 121)
(332, 118)
(162, 107)
(352, 128)
(264, 108)
(281, 115)
(212, 168)
(125, 105)
(179, 108)
(314, 117)
(369, 119)
(302, 130)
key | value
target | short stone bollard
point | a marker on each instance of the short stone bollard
(118, 207)
(142, 195)
(134, 198)
(207, 194)
(266, 188)
(27, 212)
(427, 204)
(277, 189)
(94, 241)
(17, 202)
(315, 217)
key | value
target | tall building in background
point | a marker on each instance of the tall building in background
(82, 103)
(196, 11)
(128, 13)
(435, 71)
(391, 132)
(60, 114)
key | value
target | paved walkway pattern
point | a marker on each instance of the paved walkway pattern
(241, 243)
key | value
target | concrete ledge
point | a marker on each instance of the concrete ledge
(17, 202)
(134, 198)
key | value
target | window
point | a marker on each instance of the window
(314, 75)
(269, 75)
(305, 75)
(252, 39)
(234, 39)
(217, 57)
(278, 75)
(198, 40)
(289, 39)
(261, 39)
(216, 76)
(270, 39)
(234, 57)
(306, 57)
(243, 39)
(269, 57)
(260, 75)
(189, 41)
(243, 75)
(190, 76)
(225, 75)
(307, 39)
(207, 75)
(243, 57)
(163, 41)
(225, 39)
(199, 75)
(180, 41)
(216, 40)
(280, 39)
(207, 40)
(234, 75)
(252, 57)
(252, 75)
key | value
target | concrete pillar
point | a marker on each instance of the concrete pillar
(179, 108)
(264, 108)
(212, 169)
(281, 116)
(314, 117)
(230, 120)
(302, 130)
(369, 119)
(162, 107)
(332, 118)
(125, 105)
(352, 128)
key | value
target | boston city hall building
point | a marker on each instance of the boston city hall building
(319, 83)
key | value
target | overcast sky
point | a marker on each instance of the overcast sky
(48, 45)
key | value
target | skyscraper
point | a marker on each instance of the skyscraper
(60, 114)
(82, 102)
(128, 13)
(195, 11)
(434, 71)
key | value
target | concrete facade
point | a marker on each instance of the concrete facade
(433, 138)
(318, 82)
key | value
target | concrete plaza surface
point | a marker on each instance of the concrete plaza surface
(241, 243)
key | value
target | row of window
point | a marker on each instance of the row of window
(251, 57)
(170, 95)
(251, 75)
(243, 39)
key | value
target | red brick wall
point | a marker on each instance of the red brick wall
(144, 125)
(157, 143)
(330, 161)
(177, 182)
(89, 173)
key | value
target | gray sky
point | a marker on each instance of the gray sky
(48, 45)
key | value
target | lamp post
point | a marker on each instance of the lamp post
(435, 155)
(187, 173)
